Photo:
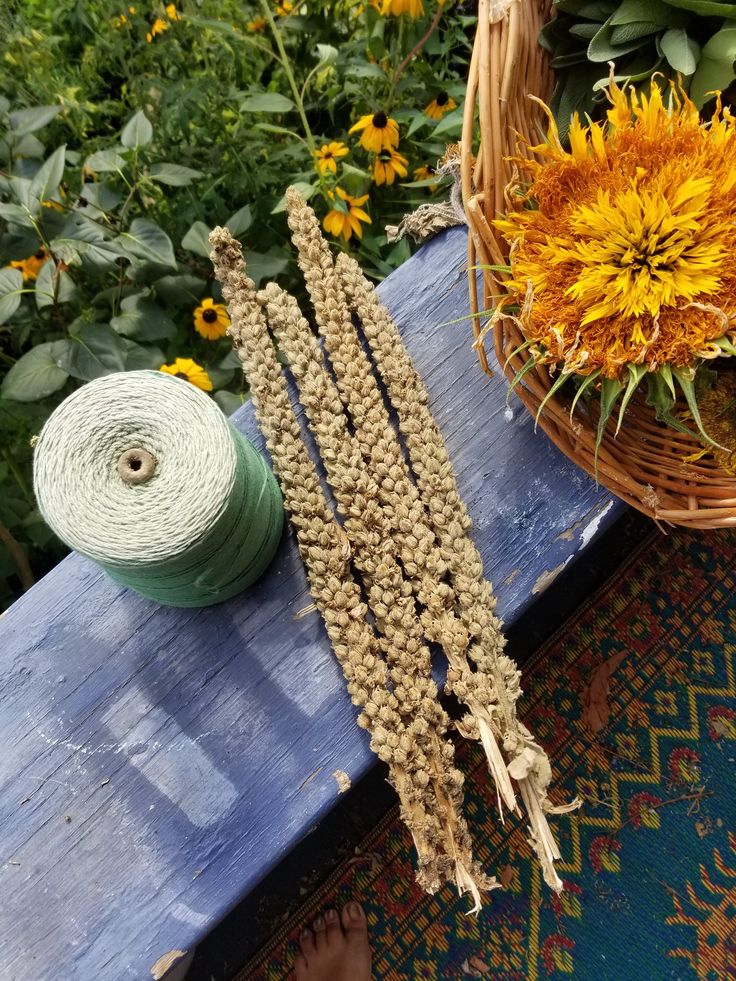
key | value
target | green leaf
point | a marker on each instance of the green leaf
(16, 214)
(146, 240)
(11, 284)
(29, 120)
(229, 402)
(137, 131)
(197, 240)
(82, 242)
(715, 69)
(659, 395)
(364, 70)
(37, 374)
(99, 196)
(104, 161)
(558, 383)
(266, 102)
(143, 319)
(180, 291)
(139, 357)
(707, 8)
(686, 383)
(585, 32)
(584, 385)
(306, 191)
(47, 179)
(610, 391)
(241, 221)
(52, 282)
(451, 122)
(174, 175)
(680, 51)
(636, 373)
(624, 33)
(326, 54)
(265, 265)
(94, 350)
(652, 11)
(602, 48)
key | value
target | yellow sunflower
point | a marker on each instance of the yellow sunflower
(441, 104)
(158, 27)
(326, 156)
(389, 164)
(414, 8)
(379, 132)
(190, 371)
(31, 266)
(211, 319)
(626, 254)
(345, 217)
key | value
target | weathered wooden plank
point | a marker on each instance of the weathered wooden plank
(156, 763)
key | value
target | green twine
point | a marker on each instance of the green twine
(142, 473)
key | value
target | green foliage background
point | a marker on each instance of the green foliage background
(118, 153)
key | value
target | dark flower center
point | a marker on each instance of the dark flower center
(380, 120)
(209, 315)
(385, 156)
(442, 99)
(40, 254)
(328, 154)
(180, 374)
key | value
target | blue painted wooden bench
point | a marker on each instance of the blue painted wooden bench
(155, 764)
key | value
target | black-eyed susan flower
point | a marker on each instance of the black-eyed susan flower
(413, 8)
(190, 371)
(388, 164)
(211, 319)
(257, 25)
(284, 8)
(327, 155)
(423, 173)
(31, 266)
(379, 132)
(345, 216)
(158, 27)
(441, 104)
(171, 12)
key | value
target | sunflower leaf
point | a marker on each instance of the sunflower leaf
(636, 373)
(584, 385)
(559, 382)
(524, 370)
(665, 373)
(610, 391)
(687, 384)
(659, 395)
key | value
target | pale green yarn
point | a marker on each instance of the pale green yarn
(206, 523)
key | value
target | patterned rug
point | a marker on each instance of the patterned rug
(635, 700)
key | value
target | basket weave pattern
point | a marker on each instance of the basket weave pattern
(644, 465)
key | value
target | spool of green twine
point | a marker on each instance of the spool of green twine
(141, 472)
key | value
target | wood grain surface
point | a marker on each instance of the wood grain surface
(155, 763)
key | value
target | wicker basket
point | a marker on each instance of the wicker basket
(643, 465)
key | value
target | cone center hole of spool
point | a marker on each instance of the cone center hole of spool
(136, 465)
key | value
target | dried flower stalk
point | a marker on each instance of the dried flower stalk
(406, 724)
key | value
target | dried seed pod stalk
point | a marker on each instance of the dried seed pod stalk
(406, 723)
(488, 680)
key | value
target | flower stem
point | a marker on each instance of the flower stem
(285, 64)
(416, 49)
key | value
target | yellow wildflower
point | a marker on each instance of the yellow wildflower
(118, 22)
(284, 8)
(326, 156)
(387, 165)
(31, 265)
(211, 319)
(345, 218)
(257, 25)
(190, 371)
(158, 27)
(441, 104)
(379, 132)
(627, 251)
(414, 8)
(132, 9)
(171, 12)
(423, 173)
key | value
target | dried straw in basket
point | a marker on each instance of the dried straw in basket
(645, 464)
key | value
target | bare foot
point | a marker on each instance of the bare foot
(336, 948)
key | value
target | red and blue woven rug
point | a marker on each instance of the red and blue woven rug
(635, 700)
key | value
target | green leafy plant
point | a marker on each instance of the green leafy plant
(694, 40)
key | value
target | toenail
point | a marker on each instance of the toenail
(305, 934)
(319, 923)
(354, 911)
(330, 916)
